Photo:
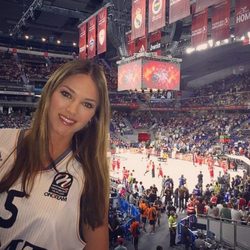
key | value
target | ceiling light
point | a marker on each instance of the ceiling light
(217, 43)
(201, 47)
(210, 42)
(190, 50)
(58, 42)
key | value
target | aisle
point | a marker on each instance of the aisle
(149, 241)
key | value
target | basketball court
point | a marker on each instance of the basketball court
(173, 168)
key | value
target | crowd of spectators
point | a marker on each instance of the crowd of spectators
(10, 71)
(23, 68)
(123, 98)
(120, 123)
(225, 198)
(35, 67)
(234, 90)
(201, 132)
(15, 120)
(231, 91)
(183, 132)
(189, 133)
(186, 132)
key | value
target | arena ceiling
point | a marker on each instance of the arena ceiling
(58, 19)
(52, 19)
(213, 64)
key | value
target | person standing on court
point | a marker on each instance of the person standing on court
(51, 172)
(153, 170)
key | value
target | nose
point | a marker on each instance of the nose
(72, 108)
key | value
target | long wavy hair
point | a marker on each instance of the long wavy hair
(89, 145)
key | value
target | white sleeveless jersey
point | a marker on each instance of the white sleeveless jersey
(49, 218)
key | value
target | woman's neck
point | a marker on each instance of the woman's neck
(58, 149)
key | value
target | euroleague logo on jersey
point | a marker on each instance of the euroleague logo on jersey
(60, 186)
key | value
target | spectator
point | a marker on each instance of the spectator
(172, 225)
(120, 246)
(225, 212)
(135, 231)
(235, 213)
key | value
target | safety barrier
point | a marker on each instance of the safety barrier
(233, 233)
(131, 212)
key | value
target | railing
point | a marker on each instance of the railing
(233, 233)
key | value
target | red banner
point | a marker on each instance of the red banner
(242, 17)
(156, 14)
(155, 42)
(102, 31)
(199, 28)
(203, 4)
(92, 37)
(161, 75)
(141, 45)
(138, 18)
(178, 9)
(220, 21)
(130, 44)
(83, 41)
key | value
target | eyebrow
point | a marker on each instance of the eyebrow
(72, 91)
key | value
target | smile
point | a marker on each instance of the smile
(66, 121)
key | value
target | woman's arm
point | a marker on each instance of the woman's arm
(97, 239)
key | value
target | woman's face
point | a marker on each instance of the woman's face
(72, 105)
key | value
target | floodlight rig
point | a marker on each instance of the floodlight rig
(37, 4)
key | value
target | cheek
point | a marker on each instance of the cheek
(85, 117)
(56, 102)
(54, 106)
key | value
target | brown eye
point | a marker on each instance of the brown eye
(65, 94)
(88, 105)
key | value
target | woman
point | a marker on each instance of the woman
(54, 178)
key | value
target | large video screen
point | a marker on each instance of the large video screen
(161, 75)
(129, 75)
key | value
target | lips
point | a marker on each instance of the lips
(66, 121)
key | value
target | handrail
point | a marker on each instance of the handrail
(221, 219)
(230, 232)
